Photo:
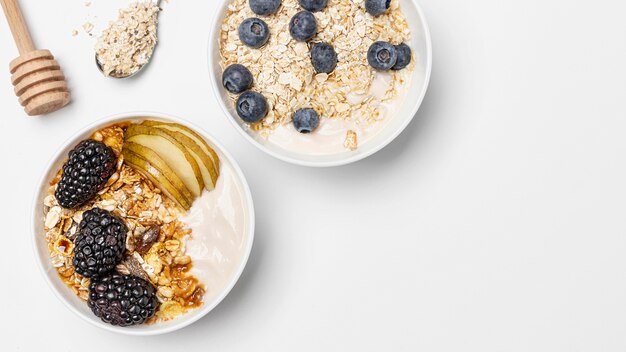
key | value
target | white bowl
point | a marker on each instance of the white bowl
(421, 46)
(64, 293)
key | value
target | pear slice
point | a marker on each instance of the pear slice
(157, 162)
(198, 139)
(172, 152)
(157, 177)
(204, 161)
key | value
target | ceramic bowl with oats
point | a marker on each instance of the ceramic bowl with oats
(142, 223)
(359, 97)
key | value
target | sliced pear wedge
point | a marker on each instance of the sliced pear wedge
(173, 153)
(204, 161)
(157, 162)
(156, 176)
(195, 137)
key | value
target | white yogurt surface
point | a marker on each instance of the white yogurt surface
(218, 223)
(330, 135)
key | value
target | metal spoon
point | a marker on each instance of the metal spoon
(115, 74)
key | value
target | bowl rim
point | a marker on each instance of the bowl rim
(293, 160)
(247, 195)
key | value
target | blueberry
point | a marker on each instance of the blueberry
(382, 56)
(254, 32)
(251, 106)
(313, 5)
(323, 57)
(404, 56)
(306, 120)
(303, 26)
(264, 7)
(377, 7)
(237, 78)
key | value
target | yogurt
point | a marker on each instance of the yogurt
(218, 221)
(329, 137)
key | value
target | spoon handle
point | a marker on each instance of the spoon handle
(18, 26)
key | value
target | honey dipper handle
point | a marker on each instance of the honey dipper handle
(18, 26)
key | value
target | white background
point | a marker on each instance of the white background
(495, 222)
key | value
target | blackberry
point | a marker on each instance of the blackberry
(100, 243)
(88, 168)
(122, 300)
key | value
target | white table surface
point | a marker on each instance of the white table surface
(495, 222)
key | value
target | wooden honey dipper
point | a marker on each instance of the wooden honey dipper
(37, 77)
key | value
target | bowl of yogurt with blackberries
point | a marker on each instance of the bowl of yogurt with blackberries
(320, 82)
(142, 223)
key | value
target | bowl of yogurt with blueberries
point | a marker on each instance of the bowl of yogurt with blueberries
(320, 82)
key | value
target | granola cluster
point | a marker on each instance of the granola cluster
(155, 243)
(127, 44)
(282, 68)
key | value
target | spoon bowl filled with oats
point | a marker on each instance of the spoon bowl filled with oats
(127, 44)
(142, 223)
(320, 83)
